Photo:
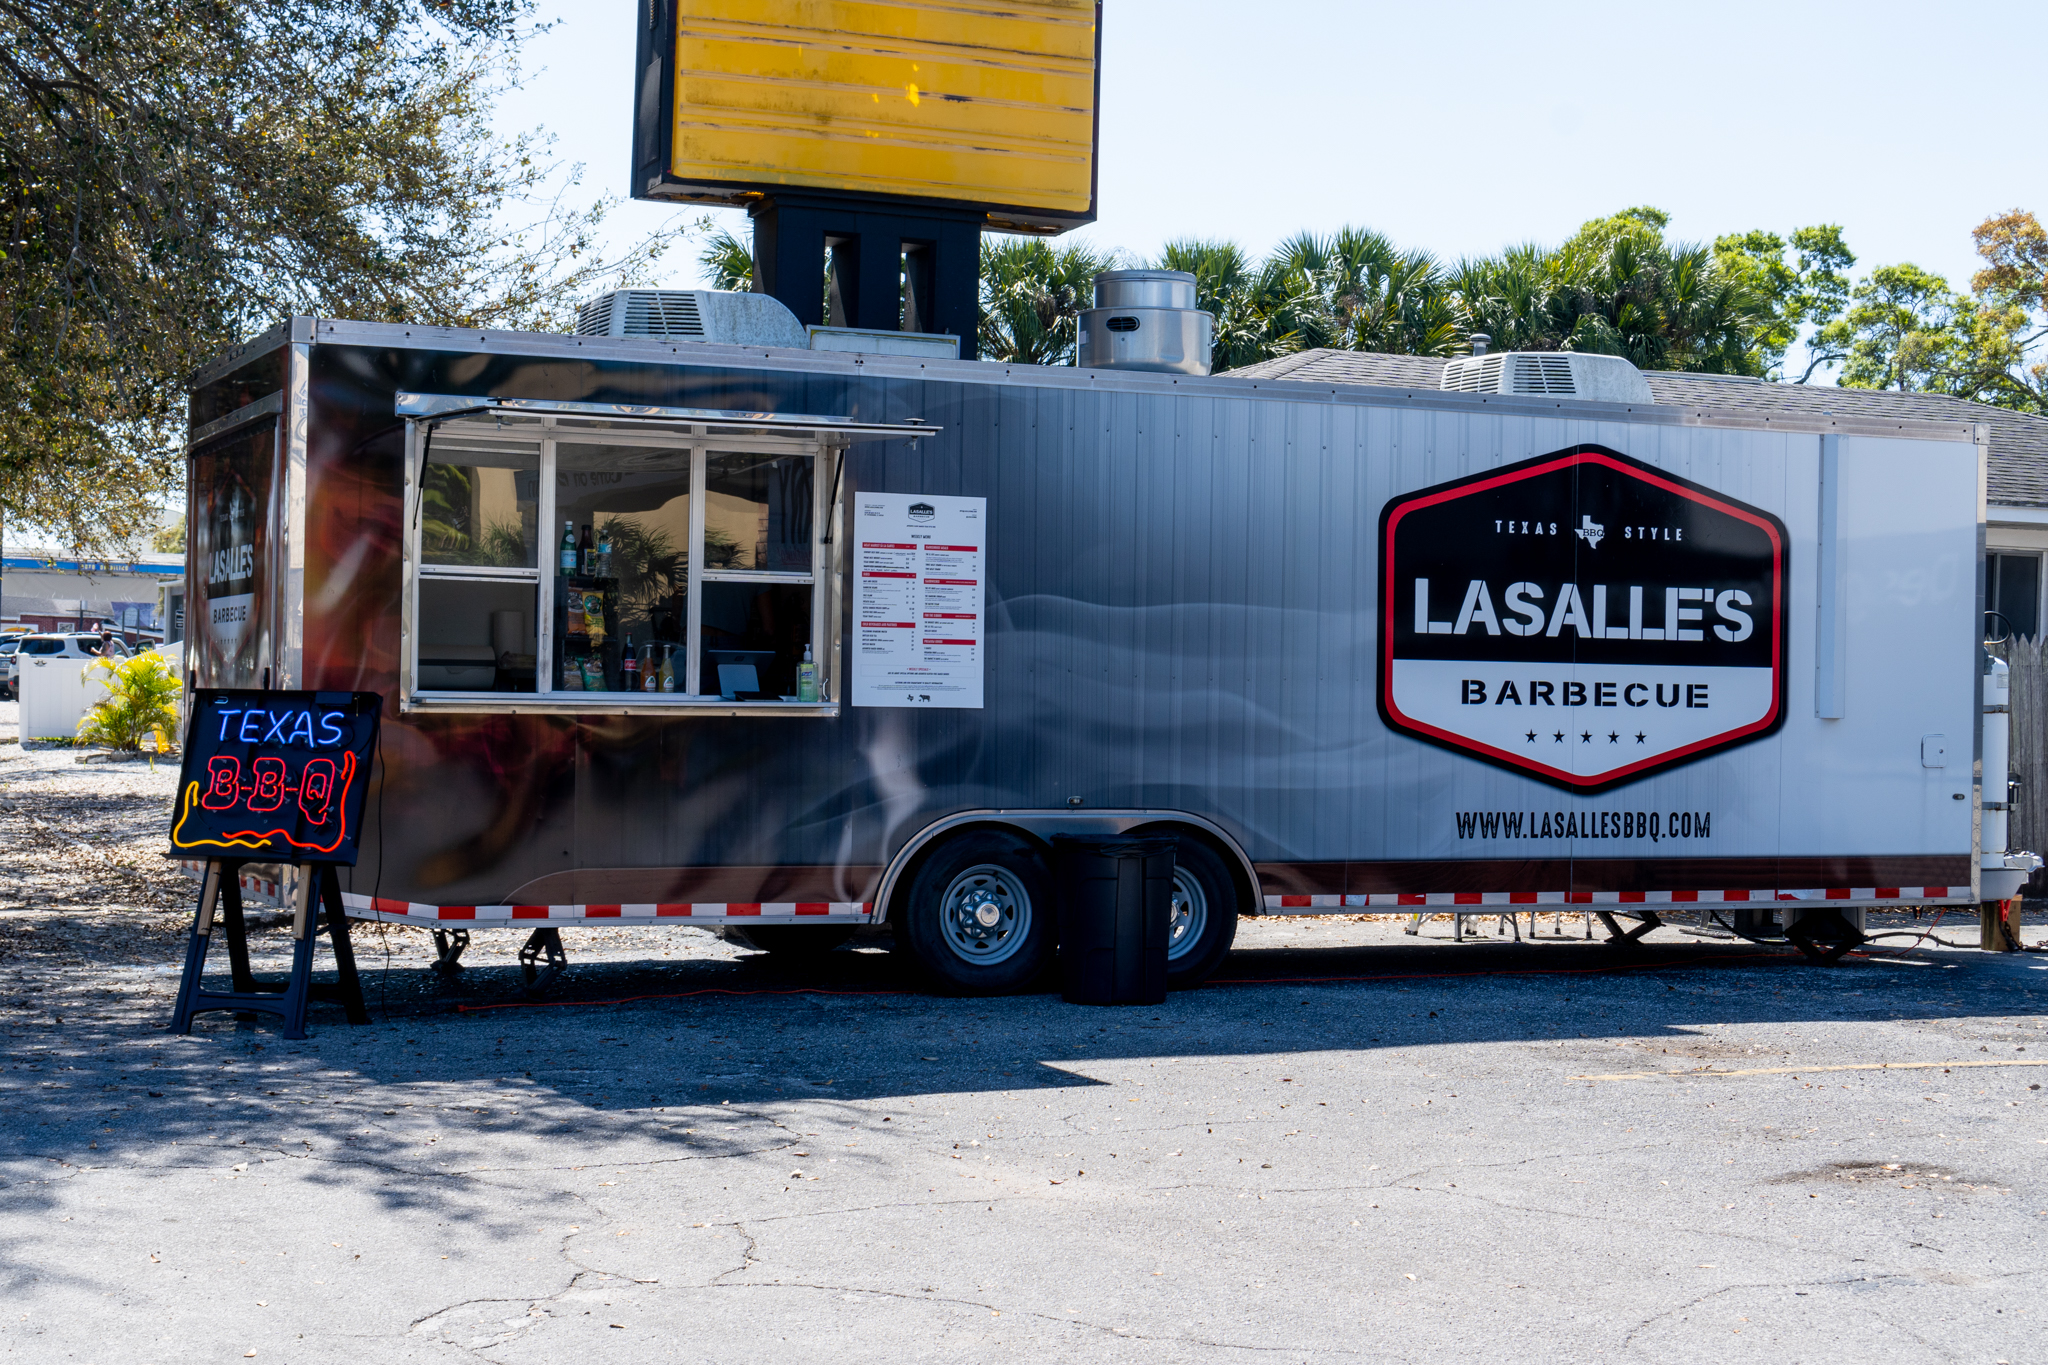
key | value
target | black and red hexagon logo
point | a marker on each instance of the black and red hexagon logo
(1581, 617)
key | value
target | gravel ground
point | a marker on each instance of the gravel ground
(1354, 1145)
(83, 879)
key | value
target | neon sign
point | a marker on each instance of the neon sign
(275, 776)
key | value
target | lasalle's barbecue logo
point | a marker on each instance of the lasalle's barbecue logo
(1582, 617)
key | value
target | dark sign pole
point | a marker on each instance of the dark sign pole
(273, 777)
(841, 261)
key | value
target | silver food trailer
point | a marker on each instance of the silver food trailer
(783, 642)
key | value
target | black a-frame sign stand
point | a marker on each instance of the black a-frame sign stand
(319, 889)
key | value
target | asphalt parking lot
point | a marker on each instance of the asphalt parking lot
(1353, 1146)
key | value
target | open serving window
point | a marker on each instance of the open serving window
(597, 557)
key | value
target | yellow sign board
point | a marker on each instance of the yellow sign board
(980, 103)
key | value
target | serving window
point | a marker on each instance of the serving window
(561, 561)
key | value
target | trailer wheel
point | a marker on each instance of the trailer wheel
(979, 913)
(790, 941)
(1204, 912)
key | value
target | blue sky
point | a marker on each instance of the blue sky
(1461, 128)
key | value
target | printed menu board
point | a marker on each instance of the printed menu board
(917, 607)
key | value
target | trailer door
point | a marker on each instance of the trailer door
(232, 600)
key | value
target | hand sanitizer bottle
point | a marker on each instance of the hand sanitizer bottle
(807, 678)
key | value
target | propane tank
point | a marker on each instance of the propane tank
(1997, 764)
(2000, 872)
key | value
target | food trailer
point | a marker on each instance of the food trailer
(784, 642)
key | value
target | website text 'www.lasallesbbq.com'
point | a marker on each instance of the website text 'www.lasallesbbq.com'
(1656, 826)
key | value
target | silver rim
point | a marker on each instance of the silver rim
(986, 914)
(1190, 915)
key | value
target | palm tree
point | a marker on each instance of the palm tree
(725, 258)
(1354, 290)
(1262, 310)
(1032, 294)
(1617, 288)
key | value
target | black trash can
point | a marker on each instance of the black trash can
(1116, 913)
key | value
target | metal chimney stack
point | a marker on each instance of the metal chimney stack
(1146, 320)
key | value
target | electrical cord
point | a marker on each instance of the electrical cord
(1925, 934)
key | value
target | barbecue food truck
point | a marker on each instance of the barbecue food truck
(782, 641)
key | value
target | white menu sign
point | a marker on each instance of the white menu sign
(917, 606)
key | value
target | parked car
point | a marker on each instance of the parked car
(68, 645)
(72, 645)
(7, 648)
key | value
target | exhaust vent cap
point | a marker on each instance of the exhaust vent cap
(1146, 320)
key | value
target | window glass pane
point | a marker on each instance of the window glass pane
(480, 504)
(754, 638)
(2016, 592)
(757, 513)
(476, 635)
(626, 512)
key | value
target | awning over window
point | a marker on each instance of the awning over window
(544, 415)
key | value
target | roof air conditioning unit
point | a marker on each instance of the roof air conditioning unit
(727, 318)
(1146, 320)
(1563, 374)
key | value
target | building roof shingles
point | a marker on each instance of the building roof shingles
(2018, 455)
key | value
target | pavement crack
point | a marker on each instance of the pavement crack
(747, 1258)
(1114, 1333)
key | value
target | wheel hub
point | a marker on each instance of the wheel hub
(986, 914)
(1190, 915)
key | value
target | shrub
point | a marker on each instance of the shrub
(142, 699)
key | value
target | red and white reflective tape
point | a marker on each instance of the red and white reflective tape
(258, 886)
(693, 912)
(1497, 900)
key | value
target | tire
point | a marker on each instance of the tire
(1205, 909)
(978, 914)
(790, 942)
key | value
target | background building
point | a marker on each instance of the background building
(139, 599)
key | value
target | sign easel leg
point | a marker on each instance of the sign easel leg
(195, 948)
(237, 929)
(305, 937)
(348, 990)
(319, 888)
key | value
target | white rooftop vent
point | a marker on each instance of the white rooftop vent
(728, 318)
(1564, 374)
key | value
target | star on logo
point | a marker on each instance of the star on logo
(1585, 736)
(1532, 736)
(1559, 736)
(1614, 737)
(1590, 531)
(1639, 736)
